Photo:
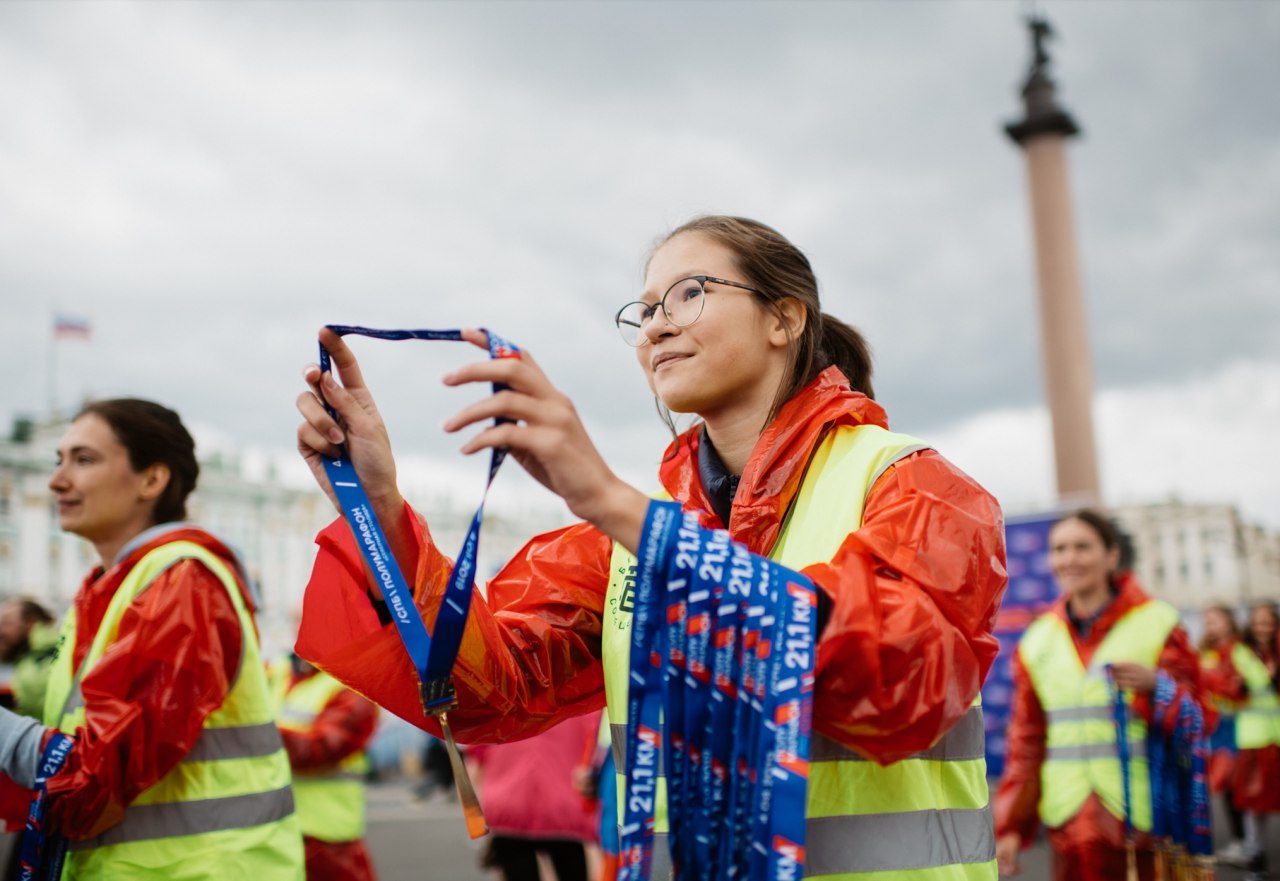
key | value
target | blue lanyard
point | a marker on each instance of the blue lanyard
(432, 654)
(1119, 713)
(42, 855)
(720, 687)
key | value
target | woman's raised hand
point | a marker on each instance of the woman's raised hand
(359, 425)
(548, 439)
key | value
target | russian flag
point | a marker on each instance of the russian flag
(70, 327)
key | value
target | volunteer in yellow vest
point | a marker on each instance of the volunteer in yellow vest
(791, 455)
(1223, 689)
(178, 770)
(1062, 764)
(326, 728)
(1256, 659)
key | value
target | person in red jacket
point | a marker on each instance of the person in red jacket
(326, 746)
(728, 328)
(1224, 688)
(1084, 554)
(1257, 773)
(152, 668)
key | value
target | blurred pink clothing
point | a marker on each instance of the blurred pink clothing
(527, 786)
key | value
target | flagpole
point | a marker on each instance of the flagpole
(52, 389)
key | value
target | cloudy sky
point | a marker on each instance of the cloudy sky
(207, 183)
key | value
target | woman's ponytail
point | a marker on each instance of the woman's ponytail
(846, 348)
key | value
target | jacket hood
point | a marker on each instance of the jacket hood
(778, 460)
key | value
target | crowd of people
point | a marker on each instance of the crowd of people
(147, 736)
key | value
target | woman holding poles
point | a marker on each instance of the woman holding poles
(906, 551)
(175, 767)
(1223, 688)
(1063, 763)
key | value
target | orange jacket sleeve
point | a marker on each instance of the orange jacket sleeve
(914, 594)
(343, 727)
(530, 653)
(173, 662)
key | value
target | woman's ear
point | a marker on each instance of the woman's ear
(789, 322)
(155, 478)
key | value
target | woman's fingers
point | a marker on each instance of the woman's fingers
(320, 422)
(344, 360)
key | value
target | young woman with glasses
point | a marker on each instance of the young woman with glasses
(906, 551)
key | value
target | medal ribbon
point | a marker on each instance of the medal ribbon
(721, 684)
(432, 654)
(41, 855)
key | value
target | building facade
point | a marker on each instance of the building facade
(1191, 554)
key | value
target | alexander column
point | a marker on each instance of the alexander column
(1042, 134)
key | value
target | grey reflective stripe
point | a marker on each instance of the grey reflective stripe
(75, 700)
(296, 716)
(888, 842)
(174, 819)
(965, 741)
(1078, 714)
(239, 742)
(902, 454)
(1137, 750)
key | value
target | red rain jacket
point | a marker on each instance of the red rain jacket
(172, 664)
(914, 591)
(344, 726)
(1089, 841)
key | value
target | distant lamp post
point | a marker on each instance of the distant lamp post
(1041, 133)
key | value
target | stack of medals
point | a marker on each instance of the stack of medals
(1179, 789)
(720, 695)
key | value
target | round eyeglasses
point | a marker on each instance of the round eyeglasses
(681, 304)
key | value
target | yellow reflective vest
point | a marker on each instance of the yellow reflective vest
(1258, 720)
(925, 818)
(331, 801)
(1081, 755)
(225, 810)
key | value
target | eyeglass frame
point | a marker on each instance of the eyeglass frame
(653, 307)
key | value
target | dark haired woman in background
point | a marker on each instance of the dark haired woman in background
(1256, 659)
(1224, 691)
(792, 456)
(178, 770)
(1061, 697)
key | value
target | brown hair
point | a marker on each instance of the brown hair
(1113, 539)
(153, 434)
(1228, 613)
(768, 261)
(1249, 639)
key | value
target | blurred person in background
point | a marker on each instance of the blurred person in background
(1256, 786)
(1061, 693)
(531, 803)
(28, 640)
(326, 728)
(177, 769)
(1223, 688)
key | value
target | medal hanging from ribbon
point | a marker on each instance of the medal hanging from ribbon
(432, 653)
(41, 855)
(719, 704)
